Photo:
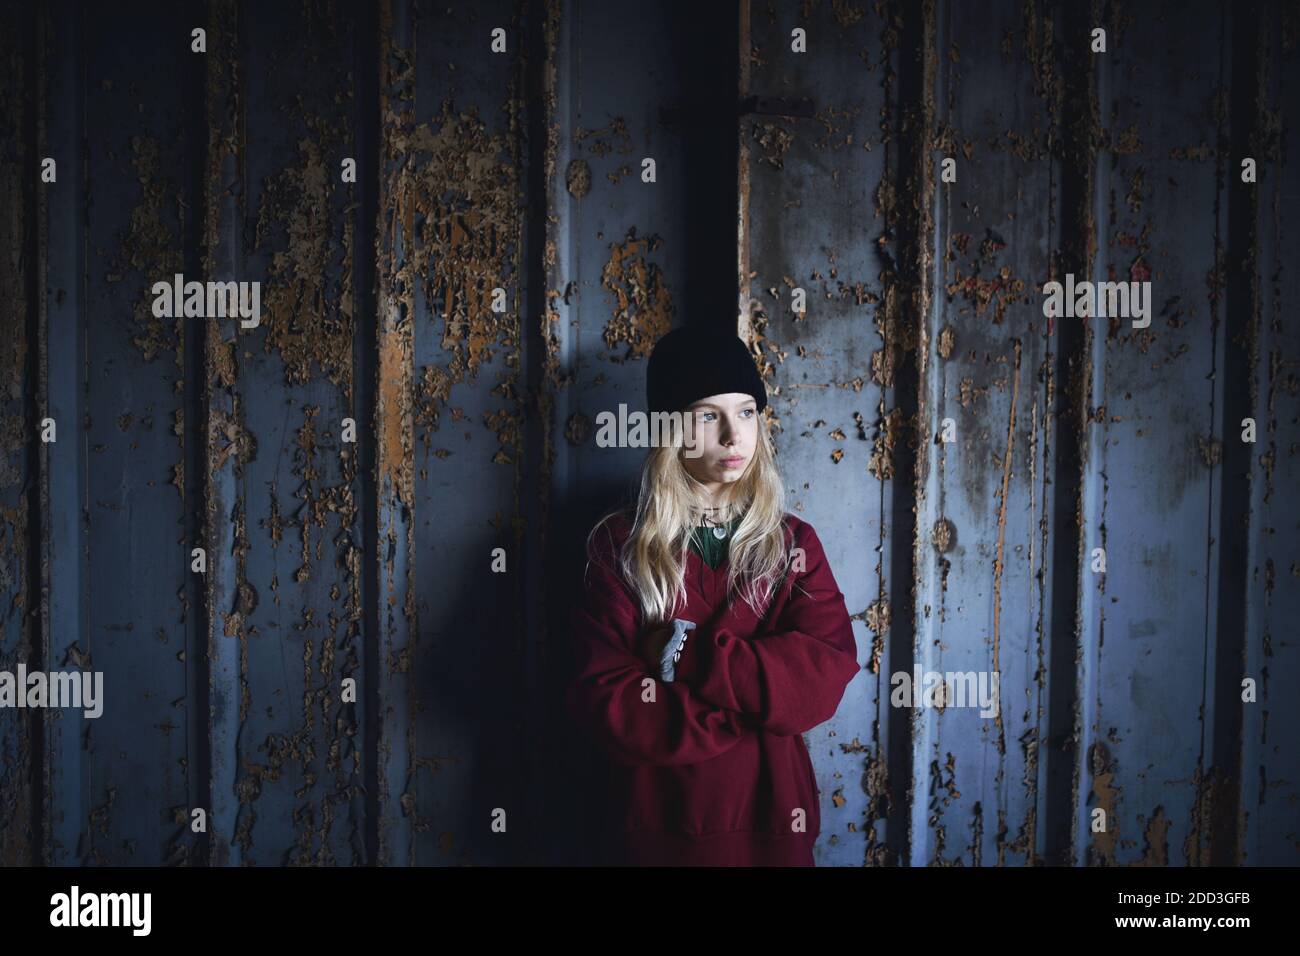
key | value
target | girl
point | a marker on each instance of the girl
(711, 633)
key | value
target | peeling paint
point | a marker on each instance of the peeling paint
(643, 307)
(459, 380)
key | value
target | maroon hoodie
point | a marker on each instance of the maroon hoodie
(711, 769)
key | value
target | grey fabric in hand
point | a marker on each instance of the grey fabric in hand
(673, 649)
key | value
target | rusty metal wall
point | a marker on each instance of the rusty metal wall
(521, 170)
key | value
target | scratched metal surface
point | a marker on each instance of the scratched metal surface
(116, 498)
(1152, 498)
(983, 519)
(476, 428)
(467, 668)
(19, 758)
(294, 606)
(813, 214)
(1273, 594)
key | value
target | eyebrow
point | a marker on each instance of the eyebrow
(709, 406)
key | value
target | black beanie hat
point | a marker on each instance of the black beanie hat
(690, 363)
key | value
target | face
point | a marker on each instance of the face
(726, 434)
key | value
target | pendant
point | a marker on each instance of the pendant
(719, 533)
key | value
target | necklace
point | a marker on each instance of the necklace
(719, 530)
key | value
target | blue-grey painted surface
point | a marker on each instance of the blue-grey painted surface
(1119, 692)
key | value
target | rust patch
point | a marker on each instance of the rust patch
(577, 429)
(875, 783)
(455, 199)
(1128, 142)
(608, 139)
(1155, 834)
(950, 142)
(967, 392)
(774, 141)
(151, 248)
(943, 791)
(999, 562)
(943, 536)
(999, 292)
(1211, 450)
(307, 317)
(878, 617)
(897, 328)
(506, 425)
(888, 429)
(1105, 794)
(1209, 796)
(229, 438)
(395, 412)
(945, 342)
(643, 307)
(578, 179)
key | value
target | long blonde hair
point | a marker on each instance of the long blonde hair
(669, 508)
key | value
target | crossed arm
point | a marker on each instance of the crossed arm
(785, 681)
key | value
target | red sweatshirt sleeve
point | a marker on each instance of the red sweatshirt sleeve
(793, 677)
(606, 696)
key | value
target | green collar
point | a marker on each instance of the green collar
(709, 546)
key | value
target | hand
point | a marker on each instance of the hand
(651, 645)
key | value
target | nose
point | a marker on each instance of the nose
(727, 433)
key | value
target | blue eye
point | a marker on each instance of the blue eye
(707, 416)
(748, 412)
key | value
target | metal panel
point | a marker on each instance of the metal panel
(1268, 87)
(1151, 495)
(521, 170)
(815, 206)
(118, 784)
(20, 757)
(461, 189)
(986, 519)
(294, 605)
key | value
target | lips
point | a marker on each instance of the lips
(732, 462)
